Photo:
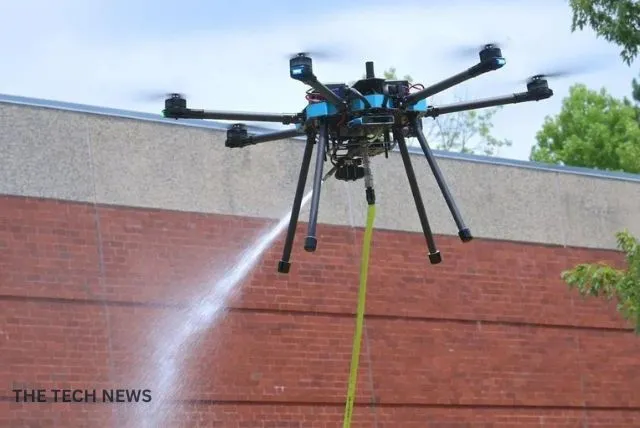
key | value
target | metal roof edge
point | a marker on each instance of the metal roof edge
(220, 126)
(125, 114)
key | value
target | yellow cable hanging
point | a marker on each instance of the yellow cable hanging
(357, 338)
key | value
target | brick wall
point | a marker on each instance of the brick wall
(489, 338)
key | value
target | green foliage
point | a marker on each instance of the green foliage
(635, 94)
(455, 132)
(390, 74)
(601, 280)
(635, 90)
(593, 130)
(616, 20)
(596, 130)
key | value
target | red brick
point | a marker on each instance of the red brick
(48, 345)
(254, 357)
(317, 416)
(488, 327)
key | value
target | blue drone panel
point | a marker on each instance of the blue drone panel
(321, 109)
(419, 106)
(375, 100)
(324, 109)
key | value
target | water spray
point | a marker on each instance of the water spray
(201, 315)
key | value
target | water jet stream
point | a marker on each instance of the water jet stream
(181, 329)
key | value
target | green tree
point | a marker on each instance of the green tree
(635, 86)
(596, 130)
(593, 130)
(617, 21)
(464, 132)
(602, 280)
(391, 74)
(635, 94)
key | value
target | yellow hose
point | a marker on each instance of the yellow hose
(357, 338)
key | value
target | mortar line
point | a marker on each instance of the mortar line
(387, 405)
(318, 313)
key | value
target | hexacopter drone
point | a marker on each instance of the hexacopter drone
(353, 123)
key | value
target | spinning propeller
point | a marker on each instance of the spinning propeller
(154, 96)
(566, 69)
(325, 53)
(576, 68)
(471, 50)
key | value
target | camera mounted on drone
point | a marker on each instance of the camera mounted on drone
(349, 124)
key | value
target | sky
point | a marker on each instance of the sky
(232, 55)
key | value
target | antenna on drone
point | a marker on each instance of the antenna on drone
(369, 67)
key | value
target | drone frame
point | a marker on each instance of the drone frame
(407, 109)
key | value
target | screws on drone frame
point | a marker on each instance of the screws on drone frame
(175, 101)
(539, 88)
(491, 53)
(237, 136)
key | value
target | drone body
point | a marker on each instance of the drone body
(351, 123)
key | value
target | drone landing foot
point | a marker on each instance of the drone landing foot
(434, 254)
(465, 235)
(311, 241)
(284, 265)
(463, 231)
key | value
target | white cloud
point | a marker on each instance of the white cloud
(57, 56)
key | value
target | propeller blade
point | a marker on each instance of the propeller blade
(469, 50)
(555, 74)
(153, 96)
(325, 53)
(572, 68)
